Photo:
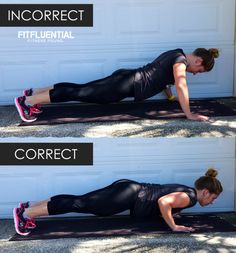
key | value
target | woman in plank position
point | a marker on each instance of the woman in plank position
(142, 199)
(141, 83)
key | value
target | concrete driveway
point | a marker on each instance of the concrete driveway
(200, 243)
(216, 127)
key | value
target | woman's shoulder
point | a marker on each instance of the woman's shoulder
(172, 56)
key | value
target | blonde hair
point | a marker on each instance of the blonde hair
(209, 182)
(208, 57)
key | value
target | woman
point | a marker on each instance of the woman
(143, 200)
(141, 83)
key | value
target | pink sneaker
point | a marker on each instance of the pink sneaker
(21, 224)
(31, 222)
(26, 112)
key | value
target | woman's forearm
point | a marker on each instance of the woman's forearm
(182, 91)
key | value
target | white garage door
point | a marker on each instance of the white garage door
(125, 34)
(154, 160)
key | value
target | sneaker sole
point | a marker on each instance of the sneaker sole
(18, 107)
(16, 222)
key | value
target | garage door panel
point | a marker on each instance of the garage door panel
(78, 182)
(14, 181)
(137, 25)
(206, 19)
(201, 79)
(73, 71)
(162, 147)
(202, 12)
(26, 72)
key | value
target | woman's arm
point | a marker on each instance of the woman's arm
(173, 200)
(179, 70)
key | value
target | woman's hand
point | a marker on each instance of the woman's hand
(197, 117)
(178, 228)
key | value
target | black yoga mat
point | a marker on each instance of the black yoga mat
(120, 226)
(80, 112)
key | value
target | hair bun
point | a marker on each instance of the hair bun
(211, 172)
(214, 52)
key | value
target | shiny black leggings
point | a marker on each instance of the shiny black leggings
(115, 198)
(110, 89)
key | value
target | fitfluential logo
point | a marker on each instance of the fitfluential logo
(46, 15)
